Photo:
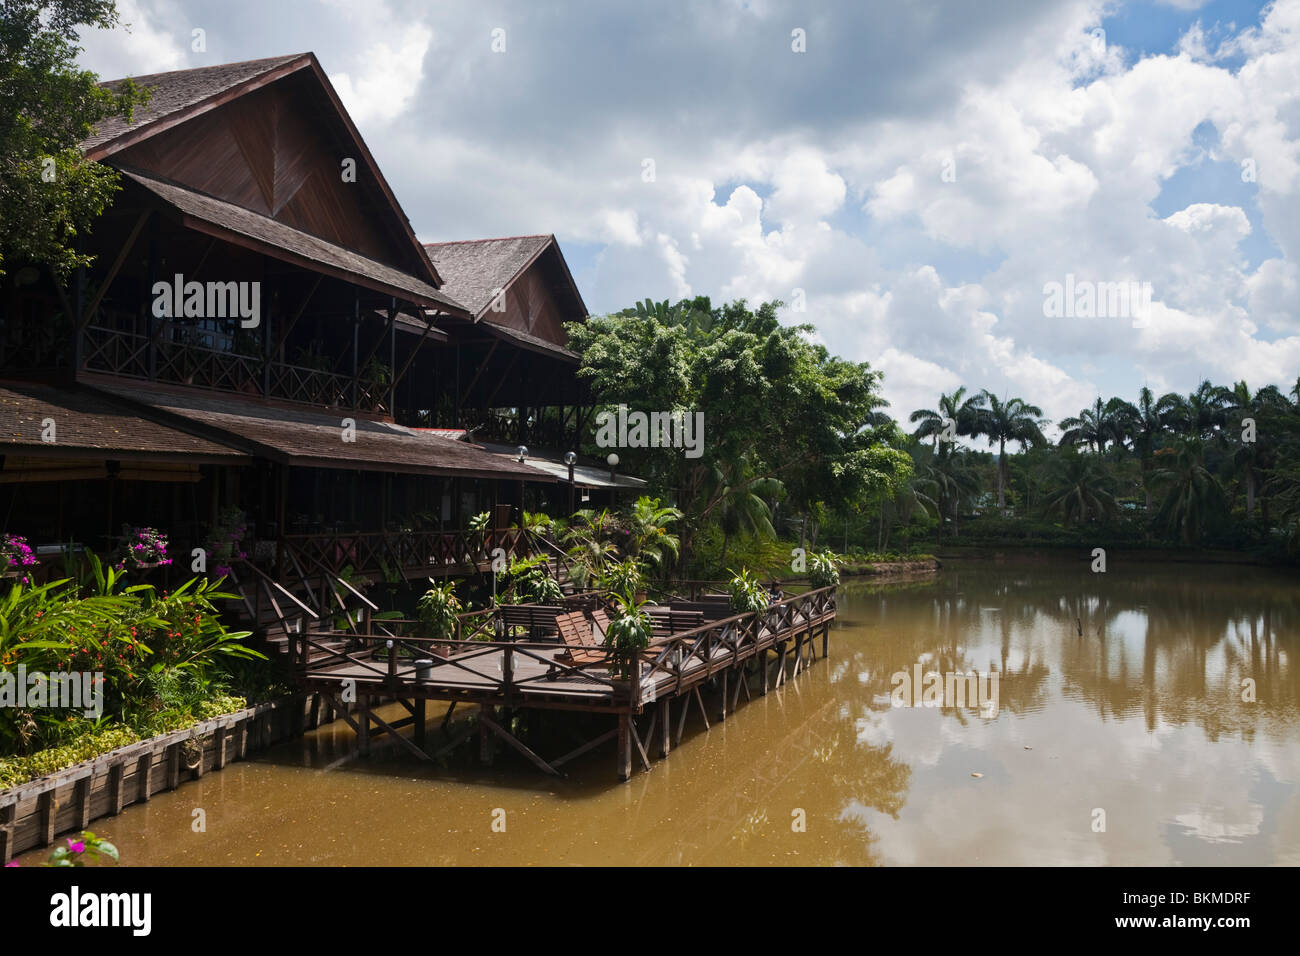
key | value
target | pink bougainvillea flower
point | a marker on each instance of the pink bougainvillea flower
(76, 846)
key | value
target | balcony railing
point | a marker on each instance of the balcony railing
(120, 352)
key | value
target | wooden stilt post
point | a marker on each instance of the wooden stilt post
(762, 670)
(419, 722)
(826, 639)
(363, 726)
(722, 704)
(484, 739)
(665, 731)
(624, 748)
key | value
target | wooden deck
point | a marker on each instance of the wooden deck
(728, 654)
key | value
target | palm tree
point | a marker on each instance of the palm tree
(742, 500)
(1012, 420)
(956, 408)
(1194, 498)
(949, 480)
(1202, 412)
(1083, 492)
(1249, 457)
(648, 537)
(1102, 423)
(1150, 419)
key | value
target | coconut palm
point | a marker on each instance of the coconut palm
(949, 480)
(1150, 419)
(1249, 457)
(963, 412)
(1194, 499)
(1082, 491)
(1013, 420)
(1201, 413)
(743, 501)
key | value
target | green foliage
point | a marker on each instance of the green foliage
(747, 592)
(529, 581)
(47, 107)
(823, 570)
(81, 850)
(624, 578)
(628, 634)
(19, 770)
(438, 608)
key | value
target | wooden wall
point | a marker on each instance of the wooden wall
(271, 151)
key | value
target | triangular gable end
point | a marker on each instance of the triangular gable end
(275, 143)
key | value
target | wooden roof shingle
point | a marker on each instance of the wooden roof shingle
(474, 270)
(310, 438)
(294, 245)
(88, 422)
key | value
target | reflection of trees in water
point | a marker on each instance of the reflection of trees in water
(1205, 629)
(814, 761)
(938, 635)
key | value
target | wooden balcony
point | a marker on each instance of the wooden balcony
(132, 355)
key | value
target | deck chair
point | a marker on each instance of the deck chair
(599, 624)
(580, 645)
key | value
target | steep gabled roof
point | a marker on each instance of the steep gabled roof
(182, 95)
(475, 269)
(217, 217)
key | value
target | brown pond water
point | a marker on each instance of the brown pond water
(1142, 717)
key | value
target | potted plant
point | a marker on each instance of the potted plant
(224, 545)
(437, 609)
(15, 556)
(628, 635)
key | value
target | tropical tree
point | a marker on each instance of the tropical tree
(962, 411)
(949, 480)
(1253, 443)
(648, 537)
(50, 194)
(1083, 491)
(1150, 419)
(1194, 499)
(1095, 426)
(1013, 420)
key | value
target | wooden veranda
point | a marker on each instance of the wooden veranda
(649, 695)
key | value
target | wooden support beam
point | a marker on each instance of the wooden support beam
(84, 319)
(116, 794)
(144, 778)
(363, 725)
(81, 793)
(288, 327)
(399, 375)
(420, 728)
(518, 744)
(173, 758)
(624, 747)
(665, 727)
(722, 700)
(6, 832)
(46, 812)
(636, 739)
(392, 731)
(589, 745)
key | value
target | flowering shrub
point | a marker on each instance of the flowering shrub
(143, 548)
(16, 554)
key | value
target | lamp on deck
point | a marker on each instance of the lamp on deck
(612, 459)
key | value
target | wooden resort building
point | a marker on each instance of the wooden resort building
(331, 417)
(261, 331)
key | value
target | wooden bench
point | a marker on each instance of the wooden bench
(537, 619)
(669, 620)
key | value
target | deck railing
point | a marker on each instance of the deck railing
(493, 667)
(372, 552)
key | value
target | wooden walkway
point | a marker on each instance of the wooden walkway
(535, 674)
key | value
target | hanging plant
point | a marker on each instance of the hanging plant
(141, 548)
